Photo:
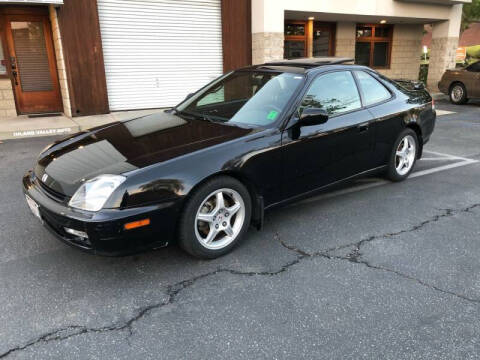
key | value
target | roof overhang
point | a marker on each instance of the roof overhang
(28, 2)
(439, 2)
(303, 15)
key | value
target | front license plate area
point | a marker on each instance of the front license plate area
(33, 207)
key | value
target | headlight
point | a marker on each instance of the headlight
(94, 193)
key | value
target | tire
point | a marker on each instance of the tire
(219, 231)
(458, 94)
(395, 172)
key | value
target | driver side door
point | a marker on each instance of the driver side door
(318, 155)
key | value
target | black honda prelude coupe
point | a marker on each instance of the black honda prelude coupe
(201, 173)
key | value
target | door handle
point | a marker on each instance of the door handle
(14, 73)
(363, 127)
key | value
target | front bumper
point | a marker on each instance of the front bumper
(105, 228)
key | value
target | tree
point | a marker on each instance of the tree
(471, 13)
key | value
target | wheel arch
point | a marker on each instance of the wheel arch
(255, 195)
(454, 83)
(415, 127)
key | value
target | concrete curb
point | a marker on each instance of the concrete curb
(21, 127)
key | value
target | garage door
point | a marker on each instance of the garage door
(156, 52)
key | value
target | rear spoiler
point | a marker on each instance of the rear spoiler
(411, 85)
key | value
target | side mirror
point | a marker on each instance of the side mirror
(313, 116)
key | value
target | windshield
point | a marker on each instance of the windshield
(245, 97)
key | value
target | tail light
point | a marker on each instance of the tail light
(433, 104)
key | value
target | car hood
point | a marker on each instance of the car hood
(121, 147)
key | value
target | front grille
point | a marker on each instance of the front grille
(55, 195)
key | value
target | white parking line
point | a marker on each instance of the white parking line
(442, 168)
(435, 159)
(379, 182)
(446, 156)
(445, 112)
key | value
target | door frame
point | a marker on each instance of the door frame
(28, 13)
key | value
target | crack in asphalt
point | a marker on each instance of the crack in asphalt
(355, 254)
(445, 214)
(174, 290)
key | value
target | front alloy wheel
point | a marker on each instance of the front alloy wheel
(219, 219)
(215, 217)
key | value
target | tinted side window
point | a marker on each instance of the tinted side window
(372, 91)
(474, 67)
(336, 92)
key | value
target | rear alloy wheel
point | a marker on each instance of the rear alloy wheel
(458, 94)
(404, 156)
(215, 218)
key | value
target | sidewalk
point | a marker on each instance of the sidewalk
(22, 126)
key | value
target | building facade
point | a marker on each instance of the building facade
(84, 57)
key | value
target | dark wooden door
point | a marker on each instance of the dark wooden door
(33, 64)
(323, 39)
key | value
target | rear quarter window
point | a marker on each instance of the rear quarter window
(373, 91)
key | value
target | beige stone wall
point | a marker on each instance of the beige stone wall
(442, 57)
(345, 39)
(62, 75)
(406, 49)
(267, 47)
(7, 102)
(345, 48)
(406, 52)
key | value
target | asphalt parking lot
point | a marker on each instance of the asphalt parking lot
(373, 270)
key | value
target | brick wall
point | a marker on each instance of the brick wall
(7, 102)
(345, 40)
(345, 48)
(406, 52)
(267, 46)
(62, 75)
(406, 49)
(442, 56)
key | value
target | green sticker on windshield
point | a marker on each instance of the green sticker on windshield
(272, 115)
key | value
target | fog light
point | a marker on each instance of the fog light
(80, 234)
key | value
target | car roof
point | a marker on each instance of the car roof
(304, 65)
(312, 62)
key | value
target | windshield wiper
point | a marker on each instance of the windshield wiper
(198, 116)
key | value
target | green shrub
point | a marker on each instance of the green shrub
(422, 76)
(473, 51)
